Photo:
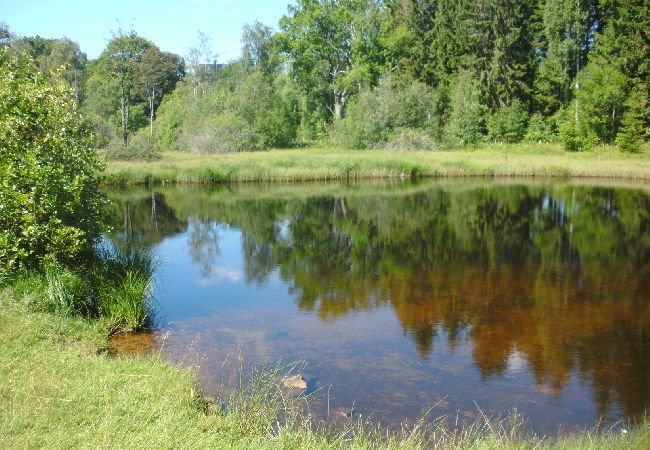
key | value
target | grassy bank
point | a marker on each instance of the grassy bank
(57, 392)
(498, 160)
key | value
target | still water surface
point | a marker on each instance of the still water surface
(402, 296)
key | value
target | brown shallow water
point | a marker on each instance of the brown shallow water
(395, 298)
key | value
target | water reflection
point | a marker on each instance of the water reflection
(543, 290)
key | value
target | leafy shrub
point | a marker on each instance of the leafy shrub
(538, 130)
(373, 118)
(242, 112)
(576, 139)
(143, 146)
(50, 203)
(507, 124)
(224, 133)
(466, 124)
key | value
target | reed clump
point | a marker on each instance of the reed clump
(115, 284)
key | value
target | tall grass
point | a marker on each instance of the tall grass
(66, 292)
(498, 160)
(123, 283)
(116, 284)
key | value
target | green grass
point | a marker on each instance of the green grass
(122, 279)
(115, 285)
(57, 392)
(495, 160)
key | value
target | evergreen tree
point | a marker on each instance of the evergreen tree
(633, 129)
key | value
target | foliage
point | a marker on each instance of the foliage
(377, 114)
(508, 123)
(242, 111)
(632, 131)
(538, 130)
(333, 46)
(466, 124)
(143, 147)
(50, 201)
(575, 135)
(126, 83)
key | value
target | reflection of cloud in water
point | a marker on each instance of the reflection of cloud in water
(219, 274)
(516, 363)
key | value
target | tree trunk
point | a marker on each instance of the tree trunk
(151, 97)
(124, 120)
(340, 98)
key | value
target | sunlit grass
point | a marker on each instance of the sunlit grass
(494, 160)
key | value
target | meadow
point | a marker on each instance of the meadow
(326, 163)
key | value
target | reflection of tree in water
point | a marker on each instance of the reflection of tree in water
(560, 277)
(203, 242)
(143, 219)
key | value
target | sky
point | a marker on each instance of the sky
(170, 24)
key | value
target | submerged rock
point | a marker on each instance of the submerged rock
(294, 382)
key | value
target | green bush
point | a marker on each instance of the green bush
(538, 130)
(143, 146)
(576, 139)
(507, 124)
(242, 111)
(50, 203)
(466, 124)
(633, 131)
(376, 116)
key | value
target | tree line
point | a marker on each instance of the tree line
(377, 74)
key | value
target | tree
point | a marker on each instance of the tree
(50, 203)
(66, 58)
(502, 53)
(334, 44)
(633, 131)
(565, 40)
(119, 62)
(5, 35)
(157, 74)
(466, 123)
(201, 63)
(258, 51)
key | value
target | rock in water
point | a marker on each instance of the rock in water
(294, 382)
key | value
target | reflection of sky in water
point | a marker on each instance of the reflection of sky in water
(397, 342)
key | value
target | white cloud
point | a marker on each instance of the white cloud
(219, 274)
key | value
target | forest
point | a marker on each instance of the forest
(376, 74)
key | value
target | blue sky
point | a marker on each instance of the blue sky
(170, 24)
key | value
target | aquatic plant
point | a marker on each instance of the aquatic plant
(123, 282)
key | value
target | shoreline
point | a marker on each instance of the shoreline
(319, 164)
(59, 391)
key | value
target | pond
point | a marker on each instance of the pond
(393, 298)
